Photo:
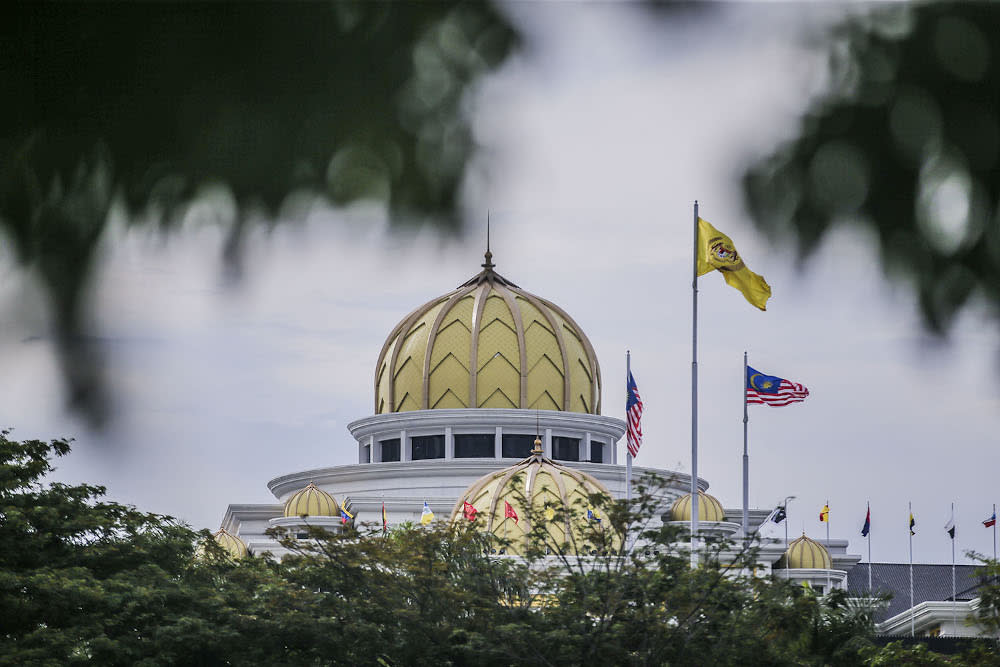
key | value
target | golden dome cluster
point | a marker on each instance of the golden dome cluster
(312, 501)
(709, 508)
(487, 344)
(805, 553)
(557, 493)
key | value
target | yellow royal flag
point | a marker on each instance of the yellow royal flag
(716, 252)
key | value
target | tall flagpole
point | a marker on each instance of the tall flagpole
(910, 528)
(628, 452)
(954, 594)
(994, 531)
(694, 395)
(746, 457)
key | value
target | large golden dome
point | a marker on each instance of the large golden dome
(558, 494)
(487, 344)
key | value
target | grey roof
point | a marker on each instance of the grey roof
(930, 582)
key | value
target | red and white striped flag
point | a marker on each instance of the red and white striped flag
(633, 414)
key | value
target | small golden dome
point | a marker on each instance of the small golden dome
(543, 485)
(488, 344)
(233, 545)
(709, 508)
(312, 501)
(805, 553)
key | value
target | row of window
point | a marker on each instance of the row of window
(481, 446)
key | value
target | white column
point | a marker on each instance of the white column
(585, 447)
(498, 443)
(405, 447)
(614, 452)
(449, 443)
(376, 451)
(547, 444)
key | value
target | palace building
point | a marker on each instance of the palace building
(480, 389)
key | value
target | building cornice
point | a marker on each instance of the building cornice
(337, 477)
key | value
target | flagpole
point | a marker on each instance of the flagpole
(694, 395)
(628, 452)
(994, 531)
(869, 536)
(910, 529)
(746, 457)
(784, 506)
(954, 594)
(828, 545)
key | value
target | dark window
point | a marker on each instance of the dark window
(566, 449)
(596, 452)
(517, 446)
(475, 446)
(427, 447)
(301, 536)
(366, 455)
(390, 450)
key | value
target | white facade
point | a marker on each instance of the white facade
(936, 618)
(404, 485)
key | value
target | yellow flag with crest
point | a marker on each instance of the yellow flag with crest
(716, 252)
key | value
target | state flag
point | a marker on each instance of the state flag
(508, 512)
(716, 252)
(426, 516)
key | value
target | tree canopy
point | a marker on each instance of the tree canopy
(155, 104)
(83, 580)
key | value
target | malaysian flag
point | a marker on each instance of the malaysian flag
(774, 391)
(633, 413)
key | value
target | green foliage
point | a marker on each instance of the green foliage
(86, 581)
(906, 144)
(241, 104)
(80, 579)
(988, 614)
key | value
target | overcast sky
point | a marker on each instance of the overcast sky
(596, 141)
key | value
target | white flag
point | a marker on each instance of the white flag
(950, 526)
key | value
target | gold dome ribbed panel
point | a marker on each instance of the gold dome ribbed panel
(805, 553)
(312, 501)
(487, 344)
(539, 483)
(709, 508)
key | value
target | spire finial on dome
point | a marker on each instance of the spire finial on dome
(488, 264)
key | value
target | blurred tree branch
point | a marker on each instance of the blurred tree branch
(147, 103)
(905, 144)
